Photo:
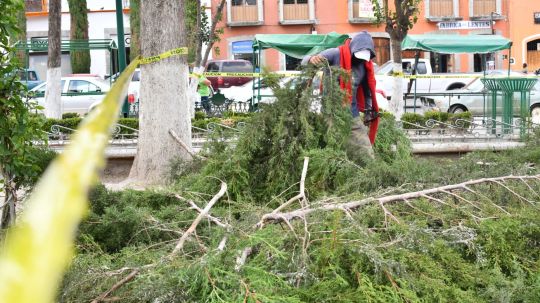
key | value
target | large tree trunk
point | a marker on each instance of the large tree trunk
(164, 103)
(53, 105)
(397, 87)
(135, 28)
(80, 59)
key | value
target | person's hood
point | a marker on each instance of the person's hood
(362, 41)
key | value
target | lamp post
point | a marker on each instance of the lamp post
(121, 48)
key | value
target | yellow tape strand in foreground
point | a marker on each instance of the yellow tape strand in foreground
(167, 54)
(40, 247)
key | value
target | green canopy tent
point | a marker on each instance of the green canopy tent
(454, 44)
(298, 45)
(294, 45)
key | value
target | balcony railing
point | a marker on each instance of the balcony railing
(441, 8)
(484, 7)
(295, 12)
(244, 13)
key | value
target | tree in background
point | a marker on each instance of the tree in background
(214, 34)
(80, 59)
(165, 127)
(21, 35)
(53, 106)
(135, 28)
(200, 31)
(197, 29)
(397, 23)
(18, 129)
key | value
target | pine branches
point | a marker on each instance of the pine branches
(452, 191)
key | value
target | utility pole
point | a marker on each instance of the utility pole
(121, 48)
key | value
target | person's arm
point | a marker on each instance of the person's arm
(206, 82)
(331, 55)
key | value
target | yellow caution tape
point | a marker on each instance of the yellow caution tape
(252, 75)
(167, 54)
(438, 76)
(40, 247)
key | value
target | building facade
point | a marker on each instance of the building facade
(243, 19)
(101, 25)
(524, 30)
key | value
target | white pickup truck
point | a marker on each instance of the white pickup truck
(385, 80)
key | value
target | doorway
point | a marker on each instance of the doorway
(533, 55)
(382, 50)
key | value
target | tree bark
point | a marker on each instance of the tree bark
(397, 88)
(53, 105)
(164, 103)
(80, 59)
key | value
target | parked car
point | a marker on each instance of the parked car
(385, 79)
(29, 77)
(79, 94)
(460, 102)
(228, 66)
(247, 91)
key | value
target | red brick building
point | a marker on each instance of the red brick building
(243, 19)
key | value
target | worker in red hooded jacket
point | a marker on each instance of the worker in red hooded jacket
(355, 56)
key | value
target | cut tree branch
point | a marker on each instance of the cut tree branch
(301, 213)
(204, 213)
(182, 144)
(301, 195)
(103, 296)
(218, 222)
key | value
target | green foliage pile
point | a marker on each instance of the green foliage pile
(268, 157)
(436, 253)
(478, 245)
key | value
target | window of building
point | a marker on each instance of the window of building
(489, 64)
(292, 63)
(244, 2)
(244, 11)
(243, 50)
(484, 8)
(295, 1)
(363, 11)
(297, 11)
(441, 8)
(35, 6)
